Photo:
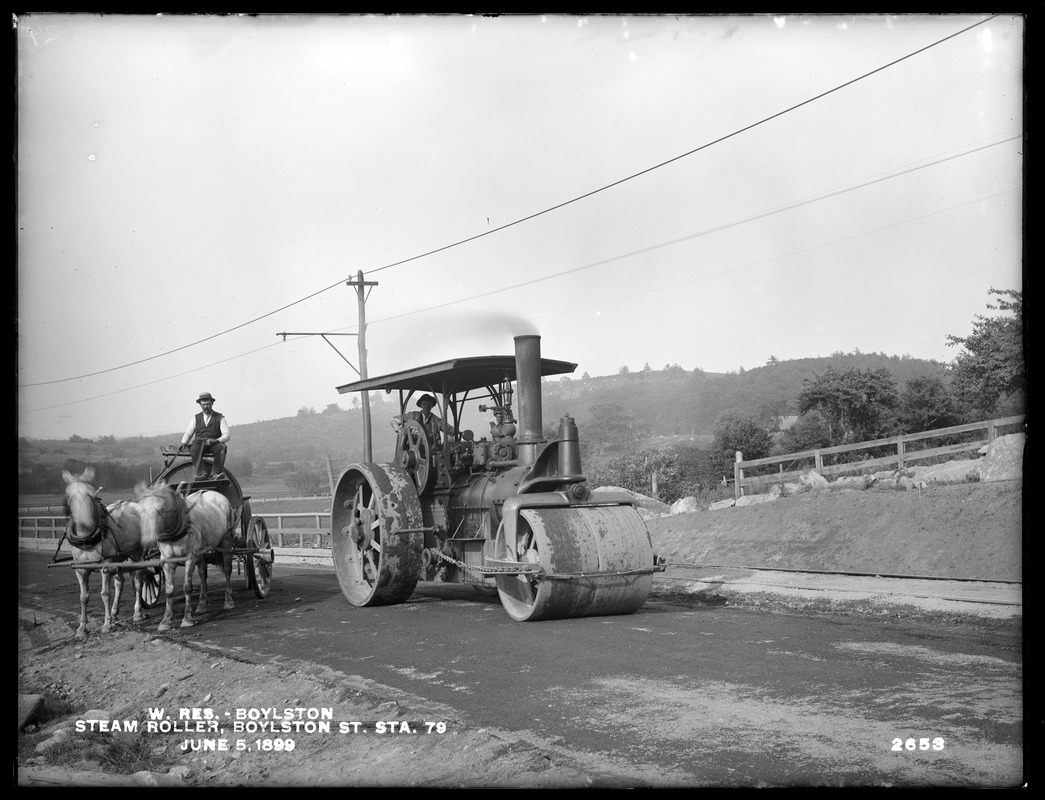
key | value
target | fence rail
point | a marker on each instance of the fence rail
(900, 459)
(315, 535)
(300, 530)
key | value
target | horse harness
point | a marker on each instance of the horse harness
(102, 526)
(178, 531)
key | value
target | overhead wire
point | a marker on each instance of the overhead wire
(158, 380)
(641, 251)
(529, 217)
(688, 237)
(632, 293)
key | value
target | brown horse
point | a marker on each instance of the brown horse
(197, 527)
(99, 533)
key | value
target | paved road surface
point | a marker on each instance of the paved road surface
(698, 695)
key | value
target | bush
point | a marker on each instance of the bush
(308, 480)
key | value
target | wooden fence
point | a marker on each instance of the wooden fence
(299, 530)
(815, 459)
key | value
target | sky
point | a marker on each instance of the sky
(706, 191)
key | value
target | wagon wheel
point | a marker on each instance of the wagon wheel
(245, 518)
(259, 567)
(415, 454)
(152, 586)
(376, 534)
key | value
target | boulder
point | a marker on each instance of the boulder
(756, 499)
(1004, 459)
(158, 779)
(813, 479)
(722, 504)
(960, 470)
(855, 481)
(685, 505)
(643, 502)
(29, 706)
(910, 484)
(59, 736)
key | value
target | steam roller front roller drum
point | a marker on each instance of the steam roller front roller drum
(569, 541)
(376, 534)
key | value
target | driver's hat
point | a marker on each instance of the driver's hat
(424, 397)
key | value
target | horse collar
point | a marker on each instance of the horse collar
(181, 528)
(101, 526)
(84, 542)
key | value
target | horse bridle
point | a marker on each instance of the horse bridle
(102, 526)
(97, 532)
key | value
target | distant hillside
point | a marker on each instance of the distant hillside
(677, 403)
(673, 404)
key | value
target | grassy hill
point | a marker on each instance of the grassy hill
(675, 406)
(675, 403)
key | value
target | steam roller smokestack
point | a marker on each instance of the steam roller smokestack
(528, 391)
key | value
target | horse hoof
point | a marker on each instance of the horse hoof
(164, 627)
(229, 606)
(106, 628)
(81, 633)
(185, 623)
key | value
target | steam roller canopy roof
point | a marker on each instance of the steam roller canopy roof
(456, 375)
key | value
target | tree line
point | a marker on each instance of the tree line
(45, 478)
(838, 406)
(854, 398)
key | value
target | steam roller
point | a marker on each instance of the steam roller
(509, 514)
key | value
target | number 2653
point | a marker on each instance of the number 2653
(925, 743)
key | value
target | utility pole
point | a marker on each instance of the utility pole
(360, 284)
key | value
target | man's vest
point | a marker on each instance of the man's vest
(211, 431)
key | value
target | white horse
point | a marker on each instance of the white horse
(197, 527)
(99, 533)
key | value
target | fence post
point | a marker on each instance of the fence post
(738, 476)
(330, 476)
(992, 431)
(818, 462)
(899, 452)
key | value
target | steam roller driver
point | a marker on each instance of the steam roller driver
(432, 423)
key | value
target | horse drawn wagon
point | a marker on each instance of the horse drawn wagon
(251, 546)
(175, 520)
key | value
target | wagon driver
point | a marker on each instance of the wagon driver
(208, 432)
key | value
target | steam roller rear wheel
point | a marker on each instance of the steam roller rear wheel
(376, 533)
(567, 542)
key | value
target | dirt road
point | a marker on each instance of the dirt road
(698, 694)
